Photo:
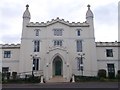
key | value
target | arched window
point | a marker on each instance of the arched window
(35, 63)
(36, 45)
(79, 45)
(37, 32)
(78, 32)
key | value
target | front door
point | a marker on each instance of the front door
(111, 70)
(57, 66)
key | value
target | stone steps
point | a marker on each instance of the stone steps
(57, 79)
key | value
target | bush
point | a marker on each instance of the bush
(118, 71)
(86, 78)
(32, 79)
(8, 75)
(14, 75)
(118, 75)
(3, 76)
(111, 75)
(23, 80)
(102, 73)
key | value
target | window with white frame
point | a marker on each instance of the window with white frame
(79, 64)
(36, 45)
(35, 63)
(109, 52)
(58, 32)
(5, 69)
(7, 54)
(79, 45)
(57, 42)
(37, 32)
(81, 68)
(111, 67)
(78, 32)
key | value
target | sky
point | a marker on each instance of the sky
(105, 16)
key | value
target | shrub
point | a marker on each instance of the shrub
(32, 79)
(111, 75)
(118, 75)
(86, 78)
(14, 75)
(3, 76)
(118, 72)
(8, 75)
(102, 73)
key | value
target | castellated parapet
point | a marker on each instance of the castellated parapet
(108, 44)
(4, 46)
(98, 44)
(44, 24)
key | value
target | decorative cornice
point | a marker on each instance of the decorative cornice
(53, 21)
(57, 48)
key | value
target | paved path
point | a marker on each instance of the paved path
(65, 85)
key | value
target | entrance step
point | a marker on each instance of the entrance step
(57, 79)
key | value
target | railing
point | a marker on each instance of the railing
(30, 73)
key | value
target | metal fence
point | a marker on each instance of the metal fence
(30, 73)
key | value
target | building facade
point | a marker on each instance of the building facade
(60, 48)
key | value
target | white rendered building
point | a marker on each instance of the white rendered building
(59, 48)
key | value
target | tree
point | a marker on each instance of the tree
(102, 73)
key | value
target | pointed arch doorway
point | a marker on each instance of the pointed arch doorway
(57, 66)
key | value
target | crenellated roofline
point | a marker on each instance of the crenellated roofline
(53, 21)
(9, 46)
(98, 44)
(108, 44)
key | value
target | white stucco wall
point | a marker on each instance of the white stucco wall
(13, 61)
(103, 60)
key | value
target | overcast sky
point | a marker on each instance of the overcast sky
(105, 16)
